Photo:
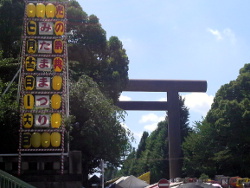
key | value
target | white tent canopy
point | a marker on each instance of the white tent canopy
(130, 182)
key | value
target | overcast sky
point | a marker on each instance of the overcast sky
(177, 39)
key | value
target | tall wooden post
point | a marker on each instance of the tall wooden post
(174, 134)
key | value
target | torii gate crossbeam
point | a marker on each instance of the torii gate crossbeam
(172, 87)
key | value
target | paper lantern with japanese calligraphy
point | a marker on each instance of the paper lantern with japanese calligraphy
(31, 10)
(44, 64)
(60, 12)
(44, 46)
(28, 120)
(42, 101)
(45, 139)
(59, 28)
(29, 82)
(31, 46)
(28, 101)
(35, 140)
(26, 140)
(42, 121)
(43, 83)
(50, 10)
(55, 139)
(30, 64)
(58, 64)
(58, 46)
(31, 28)
(56, 120)
(45, 28)
(40, 10)
(56, 101)
(57, 83)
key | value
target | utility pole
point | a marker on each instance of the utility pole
(102, 166)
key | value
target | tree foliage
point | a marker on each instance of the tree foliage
(90, 53)
(10, 66)
(99, 134)
(9, 111)
(98, 73)
(197, 152)
(11, 19)
(152, 153)
(9, 120)
(221, 140)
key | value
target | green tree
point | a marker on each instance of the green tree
(157, 153)
(90, 53)
(11, 20)
(98, 72)
(10, 66)
(114, 72)
(226, 139)
(128, 166)
(9, 111)
(142, 144)
(99, 134)
(9, 119)
(134, 163)
(198, 152)
(152, 153)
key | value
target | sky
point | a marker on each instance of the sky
(177, 40)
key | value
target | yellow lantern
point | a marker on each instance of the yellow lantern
(55, 139)
(60, 11)
(50, 10)
(28, 120)
(57, 83)
(58, 46)
(30, 64)
(28, 101)
(59, 28)
(29, 83)
(26, 140)
(35, 140)
(56, 120)
(56, 101)
(58, 64)
(40, 10)
(31, 46)
(31, 28)
(45, 139)
(31, 10)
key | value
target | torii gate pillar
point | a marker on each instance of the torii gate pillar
(172, 87)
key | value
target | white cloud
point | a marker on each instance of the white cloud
(151, 127)
(216, 33)
(124, 98)
(151, 120)
(199, 102)
(227, 34)
(151, 117)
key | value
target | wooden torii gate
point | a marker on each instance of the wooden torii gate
(172, 87)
